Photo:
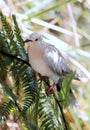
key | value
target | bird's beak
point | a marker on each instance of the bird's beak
(27, 40)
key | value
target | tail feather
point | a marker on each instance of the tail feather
(73, 101)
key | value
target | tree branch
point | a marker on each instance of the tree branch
(61, 110)
(14, 57)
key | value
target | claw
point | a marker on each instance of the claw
(50, 89)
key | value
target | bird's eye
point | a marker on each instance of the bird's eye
(36, 39)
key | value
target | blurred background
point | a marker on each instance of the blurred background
(66, 24)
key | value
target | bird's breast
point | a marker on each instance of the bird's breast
(36, 59)
(38, 63)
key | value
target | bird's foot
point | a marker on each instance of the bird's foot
(40, 76)
(49, 89)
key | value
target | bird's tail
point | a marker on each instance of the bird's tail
(73, 101)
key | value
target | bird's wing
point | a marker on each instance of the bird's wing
(56, 61)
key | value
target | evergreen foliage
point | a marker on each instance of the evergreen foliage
(25, 96)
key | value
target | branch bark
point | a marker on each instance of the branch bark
(14, 57)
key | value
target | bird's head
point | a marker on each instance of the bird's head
(34, 37)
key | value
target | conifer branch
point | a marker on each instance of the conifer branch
(14, 57)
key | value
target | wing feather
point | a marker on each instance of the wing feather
(56, 61)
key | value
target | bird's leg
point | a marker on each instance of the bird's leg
(49, 89)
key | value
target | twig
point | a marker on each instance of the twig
(14, 56)
(61, 110)
(60, 107)
(18, 107)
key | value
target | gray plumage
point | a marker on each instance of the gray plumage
(47, 59)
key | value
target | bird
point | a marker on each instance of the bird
(48, 61)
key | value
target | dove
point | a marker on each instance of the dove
(47, 60)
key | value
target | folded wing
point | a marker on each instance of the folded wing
(56, 61)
